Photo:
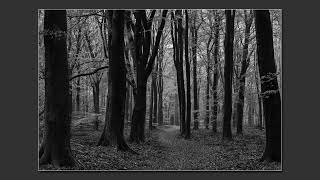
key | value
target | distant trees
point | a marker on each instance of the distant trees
(269, 85)
(55, 147)
(228, 72)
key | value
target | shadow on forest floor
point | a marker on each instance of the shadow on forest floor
(165, 149)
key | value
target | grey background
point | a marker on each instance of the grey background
(19, 88)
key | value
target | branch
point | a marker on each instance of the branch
(155, 49)
(90, 73)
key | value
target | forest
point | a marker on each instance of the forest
(160, 89)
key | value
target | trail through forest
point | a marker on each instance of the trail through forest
(165, 149)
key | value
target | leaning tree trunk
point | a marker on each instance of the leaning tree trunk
(188, 118)
(55, 147)
(269, 86)
(228, 71)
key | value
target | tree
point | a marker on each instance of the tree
(144, 65)
(244, 65)
(177, 41)
(188, 118)
(269, 85)
(117, 89)
(228, 72)
(55, 147)
(215, 73)
(194, 39)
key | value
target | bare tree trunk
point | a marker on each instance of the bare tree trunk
(188, 118)
(55, 147)
(244, 65)
(215, 75)
(194, 38)
(228, 71)
(269, 86)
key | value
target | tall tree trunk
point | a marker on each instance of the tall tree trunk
(215, 74)
(151, 105)
(160, 83)
(55, 147)
(144, 66)
(269, 86)
(155, 95)
(188, 118)
(260, 125)
(180, 54)
(117, 72)
(228, 72)
(194, 38)
(96, 92)
(244, 65)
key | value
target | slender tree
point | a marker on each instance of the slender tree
(215, 73)
(228, 72)
(55, 147)
(188, 117)
(269, 85)
(194, 39)
(244, 65)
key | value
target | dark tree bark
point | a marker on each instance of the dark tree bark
(188, 117)
(228, 72)
(269, 86)
(244, 65)
(144, 65)
(215, 74)
(260, 124)
(194, 39)
(117, 93)
(180, 71)
(55, 147)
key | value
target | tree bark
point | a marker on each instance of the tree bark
(151, 105)
(194, 38)
(144, 66)
(228, 72)
(244, 65)
(215, 74)
(188, 118)
(55, 147)
(269, 86)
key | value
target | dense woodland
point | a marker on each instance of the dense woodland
(158, 89)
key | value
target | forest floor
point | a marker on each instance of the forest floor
(165, 149)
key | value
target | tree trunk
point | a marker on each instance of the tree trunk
(160, 83)
(188, 118)
(269, 86)
(151, 105)
(180, 54)
(55, 147)
(144, 66)
(155, 95)
(194, 35)
(228, 71)
(117, 72)
(215, 75)
(242, 81)
(96, 92)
